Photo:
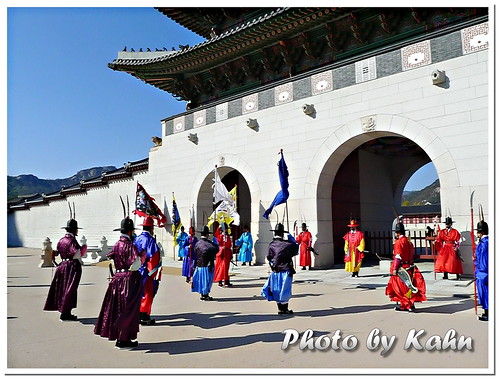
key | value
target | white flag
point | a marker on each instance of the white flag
(220, 192)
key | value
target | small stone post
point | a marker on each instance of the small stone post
(47, 254)
(83, 241)
(104, 249)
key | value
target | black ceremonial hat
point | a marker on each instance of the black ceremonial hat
(279, 228)
(126, 225)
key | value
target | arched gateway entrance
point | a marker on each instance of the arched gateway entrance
(230, 177)
(368, 186)
(363, 173)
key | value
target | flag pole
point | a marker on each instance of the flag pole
(174, 229)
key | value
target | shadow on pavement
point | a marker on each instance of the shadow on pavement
(345, 310)
(207, 344)
(212, 320)
(454, 307)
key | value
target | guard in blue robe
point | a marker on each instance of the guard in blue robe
(188, 265)
(278, 285)
(482, 269)
(202, 279)
(246, 247)
(182, 241)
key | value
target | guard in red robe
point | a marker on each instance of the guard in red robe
(150, 269)
(354, 249)
(304, 239)
(447, 245)
(223, 257)
(403, 257)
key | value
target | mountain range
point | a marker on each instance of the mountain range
(429, 195)
(22, 185)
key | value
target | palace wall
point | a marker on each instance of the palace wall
(394, 96)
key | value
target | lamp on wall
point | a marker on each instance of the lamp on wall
(308, 109)
(193, 137)
(252, 123)
(438, 77)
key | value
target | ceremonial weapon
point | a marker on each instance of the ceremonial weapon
(380, 258)
(111, 273)
(160, 264)
(406, 278)
(473, 249)
(471, 281)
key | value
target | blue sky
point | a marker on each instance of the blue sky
(67, 110)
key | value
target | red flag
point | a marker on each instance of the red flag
(145, 206)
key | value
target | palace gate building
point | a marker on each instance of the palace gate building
(358, 99)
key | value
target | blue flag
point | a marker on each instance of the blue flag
(283, 194)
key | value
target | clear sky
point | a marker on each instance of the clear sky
(67, 110)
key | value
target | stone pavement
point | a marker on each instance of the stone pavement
(240, 332)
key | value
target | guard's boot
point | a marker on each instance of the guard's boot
(279, 307)
(286, 310)
(446, 276)
(484, 316)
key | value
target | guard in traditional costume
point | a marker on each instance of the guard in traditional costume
(223, 257)
(481, 261)
(354, 248)
(202, 279)
(119, 315)
(182, 243)
(63, 290)
(280, 256)
(245, 243)
(305, 241)
(447, 245)
(188, 264)
(406, 285)
(150, 269)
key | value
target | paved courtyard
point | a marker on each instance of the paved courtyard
(241, 331)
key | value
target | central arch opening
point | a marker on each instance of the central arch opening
(368, 185)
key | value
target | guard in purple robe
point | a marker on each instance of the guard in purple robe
(63, 290)
(119, 315)
(190, 255)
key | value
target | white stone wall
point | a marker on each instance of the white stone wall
(98, 212)
(451, 124)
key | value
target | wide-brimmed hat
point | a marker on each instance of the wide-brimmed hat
(353, 224)
(399, 228)
(148, 221)
(303, 225)
(279, 228)
(205, 231)
(126, 225)
(448, 221)
(482, 227)
(71, 225)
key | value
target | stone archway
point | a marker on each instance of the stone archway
(202, 193)
(343, 141)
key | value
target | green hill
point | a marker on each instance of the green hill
(30, 184)
(427, 196)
